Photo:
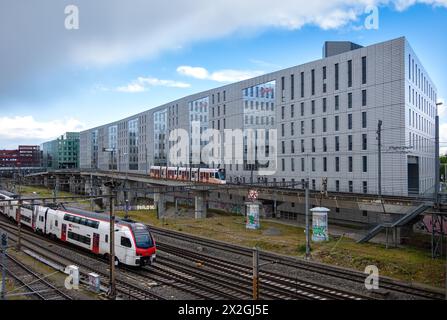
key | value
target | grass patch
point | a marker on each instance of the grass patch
(409, 264)
(41, 192)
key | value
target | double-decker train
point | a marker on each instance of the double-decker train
(203, 175)
(134, 244)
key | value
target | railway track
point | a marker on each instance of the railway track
(171, 277)
(127, 286)
(34, 284)
(315, 267)
(272, 285)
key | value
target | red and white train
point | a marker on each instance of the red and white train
(134, 244)
(204, 175)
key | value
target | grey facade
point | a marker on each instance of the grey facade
(326, 114)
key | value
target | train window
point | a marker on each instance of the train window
(79, 238)
(106, 238)
(76, 219)
(83, 221)
(125, 242)
(56, 223)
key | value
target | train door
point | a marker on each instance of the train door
(34, 217)
(95, 248)
(64, 232)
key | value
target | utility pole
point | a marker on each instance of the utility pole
(91, 191)
(306, 186)
(112, 293)
(379, 155)
(437, 160)
(19, 224)
(3, 246)
(255, 273)
(147, 168)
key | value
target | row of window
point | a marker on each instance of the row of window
(416, 75)
(349, 70)
(364, 144)
(83, 221)
(364, 163)
(323, 105)
(324, 124)
(79, 238)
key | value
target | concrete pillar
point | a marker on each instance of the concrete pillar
(57, 185)
(160, 203)
(200, 205)
(72, 184)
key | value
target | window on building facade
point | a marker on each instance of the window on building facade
(302, 84)
(364, 120)
(324, 104)
(365, 187)
(337, 123)
(350, 142)
(349, 73)
(351, 186)
(350, 121)
(363, 98)
(337, 164)
(363, 70)
(364, 141)
(350, 164)
(337, 102)
(365, 163)
(336, 76)
(292, 87)
(313, 81)
(337, 143)
(350, 100)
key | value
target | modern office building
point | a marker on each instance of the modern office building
(62, 153)
(326, 113)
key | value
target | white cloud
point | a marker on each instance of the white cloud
(404, 4)
(227, 75)
(115, 31)
(27, 127)
(141, 84)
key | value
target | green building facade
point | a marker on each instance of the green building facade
(62, 153)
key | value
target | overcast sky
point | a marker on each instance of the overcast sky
(129, 56)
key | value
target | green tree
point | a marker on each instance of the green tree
(443, 168)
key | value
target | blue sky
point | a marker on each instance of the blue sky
(77, 79)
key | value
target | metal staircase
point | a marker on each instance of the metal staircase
(398, 223)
